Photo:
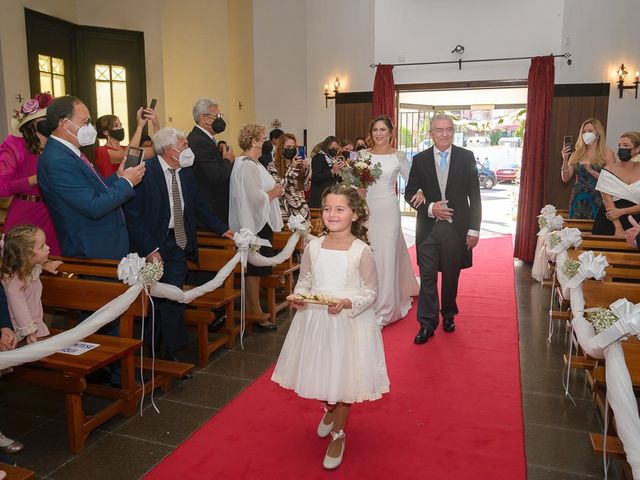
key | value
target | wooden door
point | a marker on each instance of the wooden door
(353, 114)
(572, 105)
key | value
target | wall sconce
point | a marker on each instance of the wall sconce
(622, 73)
(327, 97)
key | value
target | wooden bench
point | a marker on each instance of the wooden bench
(623, 266)
(75, 294)
(17, 473)
(281, 282)
(199, 312)
(66, 373)
(605, 243)
(316, 221)
(583, 225)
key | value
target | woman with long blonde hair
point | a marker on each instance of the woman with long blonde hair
(590, 156)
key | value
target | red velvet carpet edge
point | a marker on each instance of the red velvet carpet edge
(454, 411)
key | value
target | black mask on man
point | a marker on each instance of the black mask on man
(118, 134)
(218, 125)
(289, 153)
(624, 154)
(267, 147)
(332, 152)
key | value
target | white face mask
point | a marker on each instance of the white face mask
(589, 137)
(86, 134)
(186, 158)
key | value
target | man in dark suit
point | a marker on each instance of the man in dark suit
(161, 219)
(85, 207)
(448, 223)
(212, 168)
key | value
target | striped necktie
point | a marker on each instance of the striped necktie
(178, 219)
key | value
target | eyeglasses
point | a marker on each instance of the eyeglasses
(217, 115)
(440, 131)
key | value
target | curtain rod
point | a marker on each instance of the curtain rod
(461, 61)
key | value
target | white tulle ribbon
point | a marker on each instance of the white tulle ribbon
(129, 269)
(548, 210)
(590, 267)
(297, 223)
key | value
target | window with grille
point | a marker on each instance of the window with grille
(51, 71)
(111, 94)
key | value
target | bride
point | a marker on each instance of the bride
(396, 280)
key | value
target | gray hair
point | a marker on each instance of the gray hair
(201, 106)
(440, 116)
(166, 136)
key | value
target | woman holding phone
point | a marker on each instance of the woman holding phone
(590, 156)
(109, 156)
(293, 172)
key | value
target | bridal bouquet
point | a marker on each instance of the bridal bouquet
(360, 172)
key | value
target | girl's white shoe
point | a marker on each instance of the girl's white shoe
(323, 429)
(331, 463)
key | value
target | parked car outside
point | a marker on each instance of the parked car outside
(478, 141)
(510, 142)
(508, 173)
(486, 177)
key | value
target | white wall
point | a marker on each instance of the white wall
(280, 67)
(428, 31)
(601, 36)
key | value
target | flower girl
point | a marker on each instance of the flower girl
(333, 351)
(24, 254)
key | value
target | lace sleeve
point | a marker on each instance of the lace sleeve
(303, 287)
(369, 285)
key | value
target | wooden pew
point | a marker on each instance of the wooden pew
(584, 225)
(66, 373)
(17, 473)
(316, 221)
(198, 313)
(605, 243)
(282, 277)
(623, 266)
(73, 294)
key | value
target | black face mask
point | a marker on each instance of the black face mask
(624, 154)
(289, 153)
(267, 147)
(118, 134)
(360, 147)
(332, 152)
(218, 125)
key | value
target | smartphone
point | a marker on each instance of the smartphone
(134, 157)
(567, 141)
(302, 152)
(152, 106)
(352, 155)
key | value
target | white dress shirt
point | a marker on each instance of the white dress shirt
(167, 177)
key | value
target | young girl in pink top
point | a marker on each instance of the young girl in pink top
(25, 254)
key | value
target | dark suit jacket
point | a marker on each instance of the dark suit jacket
(86, 214)
(5, 318)
(462, 193)
(149, 212)
(212, 173)
(321, 179)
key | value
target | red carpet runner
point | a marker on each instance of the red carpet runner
(454, 411)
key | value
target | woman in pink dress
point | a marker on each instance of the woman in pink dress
(18, 165)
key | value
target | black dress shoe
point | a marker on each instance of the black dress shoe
(267, 326)
(217, 323)
(448, 325)
(423, 335)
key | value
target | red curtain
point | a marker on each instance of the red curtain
(534, 155)
(384, 93)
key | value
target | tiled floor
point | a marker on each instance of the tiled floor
(556, 431)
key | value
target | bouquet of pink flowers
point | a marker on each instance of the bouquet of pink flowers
(360, 172)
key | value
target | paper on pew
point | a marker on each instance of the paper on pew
(78, 348)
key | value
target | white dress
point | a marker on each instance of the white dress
(335, 358)
(396, 280)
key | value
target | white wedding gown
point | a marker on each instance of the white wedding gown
(396, 280)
